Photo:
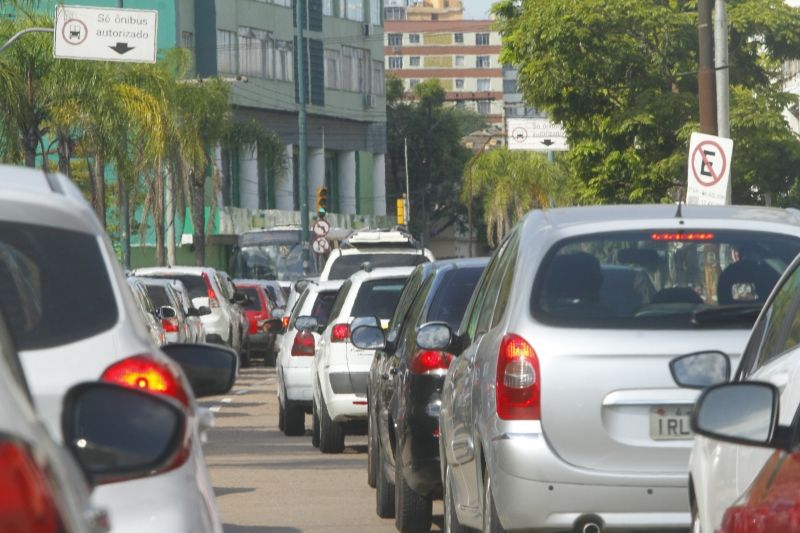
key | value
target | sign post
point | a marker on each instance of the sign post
(709, 169)
(105, 34)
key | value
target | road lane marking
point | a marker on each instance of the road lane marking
(243, 391)
(215, 408)
(226, 400)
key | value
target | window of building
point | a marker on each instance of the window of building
(362, 70)
(394, 39)
(482, 39)
(483, 84)
(252, 48)
(269, 56)
(413, 83)
(284, 67)
(459, 61)
(332, 60)
(187, 40)
(284, 3)
(327, 8)
(395, 62)
(347, 68)
(394, 13)
(413, 61)
(458, 38)
(484, 107)
(482, 61)
(510, 86)
(460, 104)
(226, 52)
(459, 84)
(378, 78)
(354, 9)
(355, 69)
(413, 38)
(375, 12)
(434, 16)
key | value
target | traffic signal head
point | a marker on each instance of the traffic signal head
(401, 211)
(322, 199)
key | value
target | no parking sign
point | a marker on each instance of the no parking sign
(709, 169)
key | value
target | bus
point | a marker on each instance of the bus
(273, 254)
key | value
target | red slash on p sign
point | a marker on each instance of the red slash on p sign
(709, 169)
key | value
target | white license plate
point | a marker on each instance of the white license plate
(670, 423)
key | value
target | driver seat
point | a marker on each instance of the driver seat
(746, 272)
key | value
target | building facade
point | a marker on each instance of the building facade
(464, 55)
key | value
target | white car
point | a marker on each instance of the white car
(74, 320)
(296, 353)
(154, 326)
(379, 248)
(340, 371)
(197, 333)
(168, 308)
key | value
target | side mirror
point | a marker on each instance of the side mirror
(211, 369)
(742, 413)
(193, 311)
(117, 433)
(368, 338)
(306, 323)
(273, 325)
(166, 311)
(701, 369)
(434, 336)
(204, 310)
(239, 298)
(365, 321)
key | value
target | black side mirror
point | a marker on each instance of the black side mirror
(165, 311)
(193, 311)
(211, 369)
(368, 338)
(239, 298)
(118, 433)
(435, 336)
(273, 325)
(742, 413)
(204, 310)
(701, 369)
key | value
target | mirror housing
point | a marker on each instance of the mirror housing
(435, 336)
(700, 369)
(742, 413)
(204, 310)
(368, 338)
(166, 311)
(306, 323)
(117, 433)
(210, 368)
(193, 311)
(365, 321)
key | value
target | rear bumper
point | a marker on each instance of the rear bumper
(297, 383)
(215, 324)
(260, 342)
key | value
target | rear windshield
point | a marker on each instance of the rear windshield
(660, 279)
(321, 309)
(378, 298)
(452, 296)
(195, 284)
(347, 265)
(254, 302)
(158, 295)
(54, 287)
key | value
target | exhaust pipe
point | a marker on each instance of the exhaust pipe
(588, 524)
(591, 527)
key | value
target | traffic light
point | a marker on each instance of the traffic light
(401, 211)
(322, 200)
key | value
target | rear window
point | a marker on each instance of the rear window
(195, 284)
(378, 298)
(347, 265)
(452, 296)
(254, 302)
(54, 287)
(321, 309)
(660, 279)
(158, 296)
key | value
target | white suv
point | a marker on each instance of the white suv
(340, 370)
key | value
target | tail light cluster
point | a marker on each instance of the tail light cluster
(304, 344)
(340, 333)
(428, 362)
(27, 502)
(213, 302)
(518, 387)
(285, 321)
(147, 373)
(170, 325)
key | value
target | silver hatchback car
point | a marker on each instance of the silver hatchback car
(560, 412)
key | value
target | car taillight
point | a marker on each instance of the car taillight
(285, 321)
(518, 388)
(340, 333)
(147, 373)
(26, 497)
(170, 325)
(430, 362)
(303, 344)
(213, 302)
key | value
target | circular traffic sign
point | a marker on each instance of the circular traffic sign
(321, 227)
(74, 31)
(703, 168)
(321, 245)
(519, 134)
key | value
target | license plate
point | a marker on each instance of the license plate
(670, 423)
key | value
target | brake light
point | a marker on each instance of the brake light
(285, 322)
(430, 362)
(303, 344)
(213, 302)
(147, 373)
(170, 325)
(518, 388)
(682, 236)
(26, 497)
(340, 333)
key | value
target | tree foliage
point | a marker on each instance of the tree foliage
(620, 76)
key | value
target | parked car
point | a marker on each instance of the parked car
(296, 351)
(732, 468)
(380, 248)
(74, 320)
(197, 332)
(258, 309)
(168, 308)
(559, 411)
(405, 385)
(146, 307)
(340, 369)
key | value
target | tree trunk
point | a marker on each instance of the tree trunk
(158, 213)
(29, 147)
(99, 179)
(197, 198)
(170, 209)
(64, 154)
(124, 221)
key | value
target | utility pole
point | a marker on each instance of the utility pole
(706, 83)
(408, 187)
(302, 140)
(722, 77)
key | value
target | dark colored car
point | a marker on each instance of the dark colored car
(405, 383)
(258, 309)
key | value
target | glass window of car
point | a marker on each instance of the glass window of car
(195, 284)
(322, 306)
(452, 296)
(347, 265)
(407, 297)
(493, 287)
(298, 307)
(378, 297)
(413, 320)
(781, 322)
(341, 296)
(253, 300)
(54, 287)
(507, 281)
(470, 322)
(659, 278)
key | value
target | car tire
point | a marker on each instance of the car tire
(371, 446)
(294, 423)
(451, 523)
(384, 490)
(270, 357)
(314, 425)
(491, 522)
(331, 434)
(696, 525)
(246, 359)
(412, 511)
(281, 415)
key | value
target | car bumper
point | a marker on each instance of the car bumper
(346, 407)
(260, 342)
(297, 383)
(215, 324)
(534, 488)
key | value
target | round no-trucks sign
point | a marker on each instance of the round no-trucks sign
(709, 169)
(709, 163)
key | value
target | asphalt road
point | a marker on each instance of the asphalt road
(266, 482)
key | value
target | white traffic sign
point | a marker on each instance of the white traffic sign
(321, 227)
(321, 245)
(709, 169)
(105, 34)
(536, 135)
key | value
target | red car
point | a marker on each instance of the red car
(258, 309)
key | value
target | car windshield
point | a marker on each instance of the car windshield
(378, 298)
(253, 301)
(659, 279)
(346, 265)
(452, 296)
(54, 287)
(194, 283)
(280, 261)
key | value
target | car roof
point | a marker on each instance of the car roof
(192, 270)
(381, 273)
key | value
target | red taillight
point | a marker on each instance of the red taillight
(170, 325)
(340, 333)
(518, 387)
(212, 296)
(26, 498)
(147, 373)
(430, 361)
(682, 236)
(303, 344)
(285, 321)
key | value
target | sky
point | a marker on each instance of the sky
(476, 9)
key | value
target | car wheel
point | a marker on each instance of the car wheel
(270, 357)
(491, 523)
(314, 425)
(294, 424)
(281, 416)
(412, 511)
(451, 523)
(384, 490)
(331, 434)
(696, 526)
(370, 453)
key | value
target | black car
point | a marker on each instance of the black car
(405, 383)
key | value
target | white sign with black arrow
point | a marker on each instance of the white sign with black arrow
(105, 34)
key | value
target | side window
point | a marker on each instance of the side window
(409, 325)
(476, 303)
(493, 284)
(340, 299)
(406, 298)
(297, 307)
(505, 284)
(781, 328)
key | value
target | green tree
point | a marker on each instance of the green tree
(619, 75)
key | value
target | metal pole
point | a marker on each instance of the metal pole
(707, 94)
(722, 76)
(20, 33)
(408, 187)
(302, 172)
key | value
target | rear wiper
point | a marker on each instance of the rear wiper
(738, 313)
